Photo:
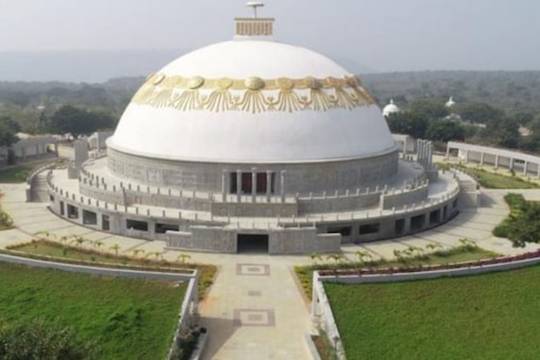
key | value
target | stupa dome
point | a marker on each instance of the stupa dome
(253, 100)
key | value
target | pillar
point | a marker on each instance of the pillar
(268, 185)
(466, 156)
(282, 184)
(496, 161)
(525, 168)
(511, 164)
(253, 183)
(538, 170)
(447, 151)
(482, 158)
(238, 184)
(224, 184)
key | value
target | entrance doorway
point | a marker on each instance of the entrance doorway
(252, 244)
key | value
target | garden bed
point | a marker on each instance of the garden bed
(52, 251)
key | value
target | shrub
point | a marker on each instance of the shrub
(37, 341)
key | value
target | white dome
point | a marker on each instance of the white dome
(253, 101)
(391, 108)
(450, 103)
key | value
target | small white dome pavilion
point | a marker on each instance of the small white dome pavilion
(391, 108)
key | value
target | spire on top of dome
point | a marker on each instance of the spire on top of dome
(254, 27)
(255, 5)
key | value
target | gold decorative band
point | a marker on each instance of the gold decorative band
(252, 94)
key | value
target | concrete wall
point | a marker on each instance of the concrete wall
(300, 178)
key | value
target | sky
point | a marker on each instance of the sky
(91, 40)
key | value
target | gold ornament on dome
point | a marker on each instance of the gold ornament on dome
(195, 82)
(254, 83)
(252, 95)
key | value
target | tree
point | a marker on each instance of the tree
(408, 123)
(503, 132)
(429, 109)
(445, 130)
(69, 119)
(479, 113)
(115, 248)
(8, 131)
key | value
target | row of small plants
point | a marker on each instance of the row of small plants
(6, 222)
(522, 226)
(411, 258)
(75, 249)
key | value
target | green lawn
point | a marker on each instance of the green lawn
(16, 174)
(456, 255)
(491, 180)
(493, 316)
(129, 319)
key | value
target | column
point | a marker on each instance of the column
(525, 168)
(253, 183)
(496, 161)
(538, 170)
(447, 151)
(511, 164)
(466, 156)
(268, 185)
(238, 184)
(224, 184)
(282, 184)
(482, 158)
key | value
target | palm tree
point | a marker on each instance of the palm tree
(182, 258)
(115, 248)
(78, 240)
(136, 252)
(98, 244)
(158, 255)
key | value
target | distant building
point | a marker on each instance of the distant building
(29, 147)
(391, 108)
(450, 103)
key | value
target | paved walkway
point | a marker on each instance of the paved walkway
(255, 310)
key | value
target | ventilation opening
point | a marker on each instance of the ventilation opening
(368, 229)
(163, 228)
(252, 244)
(137, 225)
(89, 218)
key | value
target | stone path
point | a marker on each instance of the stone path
(255, 310)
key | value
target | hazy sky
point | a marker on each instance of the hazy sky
(380, 35)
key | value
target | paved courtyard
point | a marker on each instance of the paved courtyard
(255, 309)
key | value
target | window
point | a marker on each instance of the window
(163, 228)
(233, 183)
(417, 222)
(72, 212)
(400, 226)
(137, 225)
(343, 230)
(369, 229)
(51, 198)
(247, 184)
(434, 217)
(89, 217)
(62, 210)
(105, 223)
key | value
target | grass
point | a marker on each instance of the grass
(441, 257)
(68, 253)
(493, 316)
(129, 319)
(491, 180)
(16, 174)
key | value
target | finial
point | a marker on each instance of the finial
(255, 5)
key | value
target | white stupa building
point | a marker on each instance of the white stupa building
(450, 103)
(254, 144)
(390, 109)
